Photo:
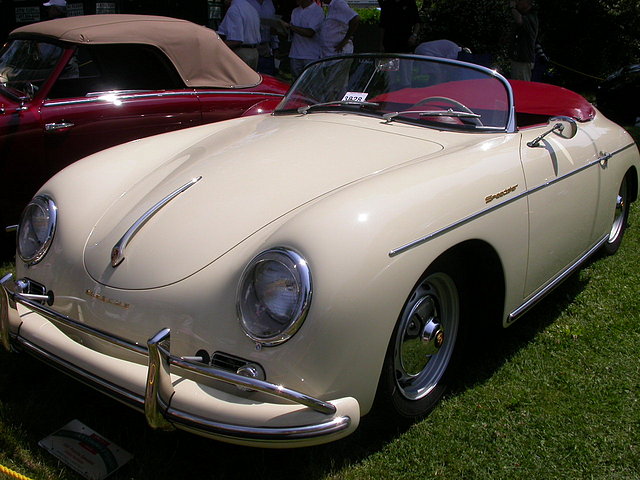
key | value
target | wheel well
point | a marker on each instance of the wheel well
(632, 177)
(479, 271)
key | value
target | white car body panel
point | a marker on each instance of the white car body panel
(369, 204)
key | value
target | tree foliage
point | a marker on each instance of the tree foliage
(584, 40)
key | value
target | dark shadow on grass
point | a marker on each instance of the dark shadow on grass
(37, 400)
(495, 348)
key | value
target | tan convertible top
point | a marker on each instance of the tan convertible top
(198, 53)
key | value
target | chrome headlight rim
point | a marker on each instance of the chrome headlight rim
(298, 266)
(46, 204)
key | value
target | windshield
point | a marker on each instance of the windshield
(26, 64)
(402, 88)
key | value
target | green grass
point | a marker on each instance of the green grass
(555, 396)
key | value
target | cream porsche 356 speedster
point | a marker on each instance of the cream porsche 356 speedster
(263, 280)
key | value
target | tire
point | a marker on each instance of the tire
(620, 218)
(423, 348)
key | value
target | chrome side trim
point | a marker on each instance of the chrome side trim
(108, 97)
(452, 226)
(226, 92)
(522, 309)
(53, 127)
(118, 251)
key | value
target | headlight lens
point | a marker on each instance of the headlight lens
(36, 229)
(274, 296)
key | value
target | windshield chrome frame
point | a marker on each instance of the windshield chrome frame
(510, 126)
(68, 49)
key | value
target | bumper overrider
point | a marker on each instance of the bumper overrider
(170, 400)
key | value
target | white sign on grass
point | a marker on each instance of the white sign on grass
(91, 455)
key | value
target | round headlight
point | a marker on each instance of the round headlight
(36, 229)
(274, 296)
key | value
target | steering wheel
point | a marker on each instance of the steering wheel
(464, 108)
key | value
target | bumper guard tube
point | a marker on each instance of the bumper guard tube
(159, 388)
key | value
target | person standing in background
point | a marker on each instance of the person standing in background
(269, 42)
(55, 9)
(240, 30)
(339, 26)
(306, 21)
(524, 43)
(400, 23)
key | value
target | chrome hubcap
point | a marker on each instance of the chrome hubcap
(432, 337)
(620, 212)
(426, 337)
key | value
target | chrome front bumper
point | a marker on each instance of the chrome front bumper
(156, 403)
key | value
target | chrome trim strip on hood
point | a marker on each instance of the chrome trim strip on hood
(117, 253)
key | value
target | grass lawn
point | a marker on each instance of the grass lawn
(557, 396)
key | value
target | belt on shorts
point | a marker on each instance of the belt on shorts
(249, 45)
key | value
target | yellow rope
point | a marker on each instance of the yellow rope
(576, 71)
(12, 474)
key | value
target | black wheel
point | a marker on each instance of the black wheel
(620, 217)
(423, 347)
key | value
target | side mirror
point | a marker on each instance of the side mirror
(565, 127)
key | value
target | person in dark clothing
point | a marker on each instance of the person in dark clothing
(526, 33)
(55, 9)
(400, 25)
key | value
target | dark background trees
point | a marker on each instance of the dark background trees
(585, 40)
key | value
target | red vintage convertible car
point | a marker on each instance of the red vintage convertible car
(74, 86)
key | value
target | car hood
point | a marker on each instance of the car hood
(251, 172)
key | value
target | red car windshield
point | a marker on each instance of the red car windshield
(26, 64)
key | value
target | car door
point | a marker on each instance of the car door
(112, 94)
(563, 185)
(27, 69)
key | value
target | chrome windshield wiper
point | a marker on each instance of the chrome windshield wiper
(388, 117)
(306, 108)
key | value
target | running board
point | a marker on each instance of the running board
(522, 309)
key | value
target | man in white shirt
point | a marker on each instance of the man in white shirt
(338, 28)
(269, 42)
(439, 48)
(55, 9)
(306, 21)
(240, 29)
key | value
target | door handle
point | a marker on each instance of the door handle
(56, 127)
